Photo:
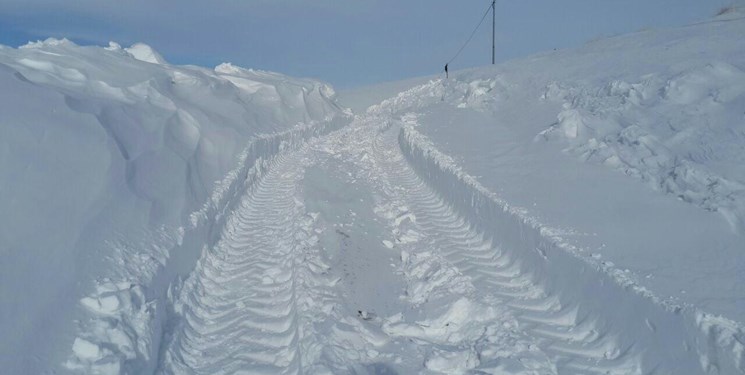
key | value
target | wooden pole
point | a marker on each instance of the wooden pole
(493, 28)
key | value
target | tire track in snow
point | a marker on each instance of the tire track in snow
(239, 306)
(575, 344)
(251, 302)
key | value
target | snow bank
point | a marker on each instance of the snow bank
(109, 159)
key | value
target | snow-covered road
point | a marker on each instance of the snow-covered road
(342, 259)
(549, 215)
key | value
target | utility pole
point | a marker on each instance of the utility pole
(493, 27)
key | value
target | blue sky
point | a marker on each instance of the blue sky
(346, 42)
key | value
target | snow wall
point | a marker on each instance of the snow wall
(111, 162)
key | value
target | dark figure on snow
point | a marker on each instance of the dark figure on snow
(446, 70)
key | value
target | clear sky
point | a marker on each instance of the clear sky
(345, 42)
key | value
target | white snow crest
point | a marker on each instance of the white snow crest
(49, 42)
(143, 52)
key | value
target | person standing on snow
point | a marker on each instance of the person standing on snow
(446, 70)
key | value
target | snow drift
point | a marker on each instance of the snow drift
(109, 158)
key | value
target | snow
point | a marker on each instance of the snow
(104, 158)
(629, 157)
(677, 131)
(579, 211)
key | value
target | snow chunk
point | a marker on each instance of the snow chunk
(113, 46)
(571, 123)
(143, 52)
(85, 349)
(327, 91)
(228, 68)
(452, 362)
(103, 305)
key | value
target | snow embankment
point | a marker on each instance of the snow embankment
(110, 161)
(530, 152)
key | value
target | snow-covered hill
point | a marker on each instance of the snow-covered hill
(109, 158)
(575, 212)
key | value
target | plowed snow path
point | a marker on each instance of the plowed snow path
(341, 259)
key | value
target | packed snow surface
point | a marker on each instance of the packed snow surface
(577, 212)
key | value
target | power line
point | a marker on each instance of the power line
(472, 34)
